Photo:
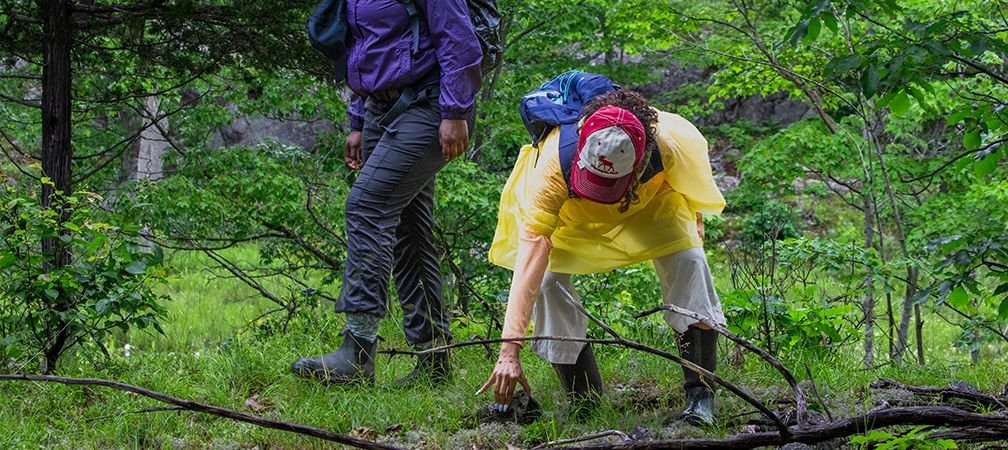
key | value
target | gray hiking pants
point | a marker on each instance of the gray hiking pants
(389, 222)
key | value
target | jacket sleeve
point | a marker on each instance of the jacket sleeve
(687, 165)
(458, 54)
(355, 111)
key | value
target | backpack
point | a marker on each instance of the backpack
(327, 30)
(485, 19)
(558, 103)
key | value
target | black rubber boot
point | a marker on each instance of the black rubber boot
(699, 347)
(431, 368)
(353, 362)
(581, 380)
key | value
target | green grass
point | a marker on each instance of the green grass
(210, 355)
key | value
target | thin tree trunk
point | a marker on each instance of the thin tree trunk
(56, 150)
(975, 347)
(912, 273)
(919, 335)
(869, 301)
(152, 144)
(892, 325)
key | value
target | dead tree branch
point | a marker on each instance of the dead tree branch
(945, 393)
(587, 437)
(995, 428)
(208, 409)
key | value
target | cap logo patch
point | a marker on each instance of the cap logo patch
(604, 165)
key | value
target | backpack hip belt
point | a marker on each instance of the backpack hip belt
(427, 87)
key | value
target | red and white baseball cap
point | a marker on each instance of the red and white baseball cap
(610, 150)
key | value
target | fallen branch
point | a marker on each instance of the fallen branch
(587, 437)
(945, 393)
(801, 401)
(208, 409)
(995, 428)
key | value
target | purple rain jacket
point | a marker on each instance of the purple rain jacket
(379, 58)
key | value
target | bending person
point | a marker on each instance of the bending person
(639, 181)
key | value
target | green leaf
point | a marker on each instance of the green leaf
(830, 21)
(136, 268)
(843, 64)
(8, 259)
(900, 103)
(971, 140)
(1002, 289)
(812, 33)
(104, 306)
(798, 32)
(936, 48)
(986, 165)
(1003, 310)
(870, 80)
(958, 297)
(52, 293)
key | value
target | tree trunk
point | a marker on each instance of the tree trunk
(868, 306)
(912, 272)
(919, 335)
(151, 145)
(56, 149)
(975, 346)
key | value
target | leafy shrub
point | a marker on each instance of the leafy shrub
(46, 308)
(774, 221)
(917, 438)
(796, 292)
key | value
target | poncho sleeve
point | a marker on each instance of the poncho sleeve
(542, 191)
(687, 166)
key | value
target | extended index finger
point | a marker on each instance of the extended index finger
(489, 382)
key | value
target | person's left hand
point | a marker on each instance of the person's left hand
(506, 375)
(454, 136)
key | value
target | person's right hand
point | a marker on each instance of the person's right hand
(506, 375)
(351, 150)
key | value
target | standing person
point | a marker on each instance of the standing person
(414, 69)
(638, 183)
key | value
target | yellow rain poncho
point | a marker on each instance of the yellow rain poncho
(589, 237)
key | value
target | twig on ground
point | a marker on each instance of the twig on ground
(208, 409)
(819, 396)
(801, 401)
(140, 411)
(587, 437)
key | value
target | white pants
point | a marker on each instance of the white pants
(685, 282)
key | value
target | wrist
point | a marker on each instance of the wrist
(510, 348)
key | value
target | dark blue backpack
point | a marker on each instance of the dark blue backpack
(558, 103)
(327, 31)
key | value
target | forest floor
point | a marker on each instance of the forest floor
(210, 353)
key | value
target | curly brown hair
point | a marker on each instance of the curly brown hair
(639, 107)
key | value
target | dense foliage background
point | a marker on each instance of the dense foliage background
(858, 142)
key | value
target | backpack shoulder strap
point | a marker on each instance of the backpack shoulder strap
(568, 147)
(414, 17)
